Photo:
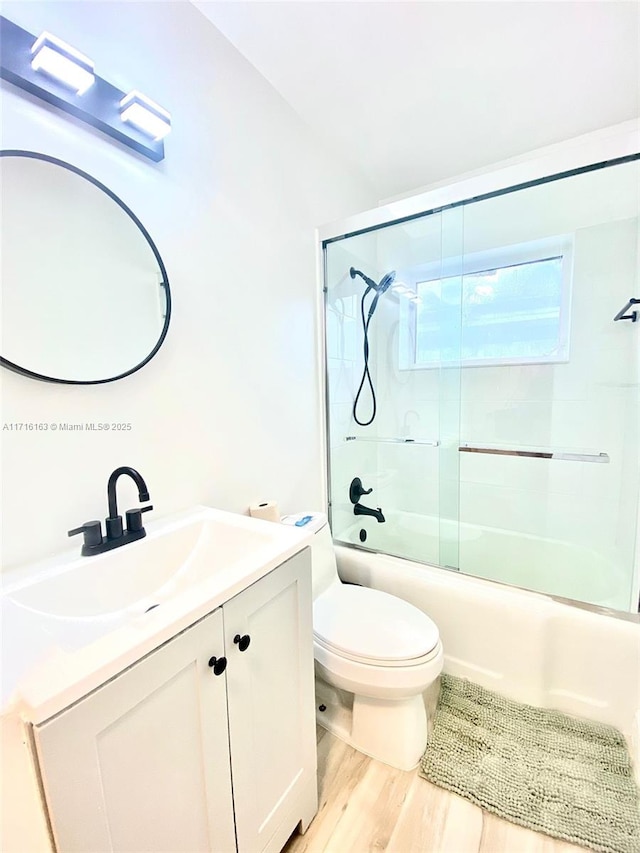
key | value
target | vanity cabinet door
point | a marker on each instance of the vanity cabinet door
(270, 687)
(142, 764)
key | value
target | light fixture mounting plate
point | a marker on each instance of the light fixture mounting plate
(99, 106)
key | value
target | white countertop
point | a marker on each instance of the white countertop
(50, 661)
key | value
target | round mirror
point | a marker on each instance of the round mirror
(85, 295)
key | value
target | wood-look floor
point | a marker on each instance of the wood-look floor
(366, 806)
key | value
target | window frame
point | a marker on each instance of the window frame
(496, 258)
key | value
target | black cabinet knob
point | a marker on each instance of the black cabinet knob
(242, 642)
(218, 665)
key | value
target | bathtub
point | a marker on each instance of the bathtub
(551, 566)
(521, 644)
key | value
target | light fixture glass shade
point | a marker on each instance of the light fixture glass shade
(145, 114)
(58, 59)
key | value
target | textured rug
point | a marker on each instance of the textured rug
(568, 778)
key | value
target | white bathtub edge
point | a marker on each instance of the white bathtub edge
(524, 645)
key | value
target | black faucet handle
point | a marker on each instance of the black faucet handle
(134, 518)
(357, 490)
(92, 533)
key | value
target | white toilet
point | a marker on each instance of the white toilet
(375, 656)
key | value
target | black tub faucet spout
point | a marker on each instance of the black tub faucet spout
(356, 491)
(365, 510)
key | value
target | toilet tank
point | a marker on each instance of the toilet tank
(324, 570)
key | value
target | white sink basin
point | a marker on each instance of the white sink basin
(133, 578)
(71, 623)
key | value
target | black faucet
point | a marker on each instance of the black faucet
(356, 491)
(94, 543)
(365, 510)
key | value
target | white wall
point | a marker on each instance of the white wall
(227, 412)
(428, 90)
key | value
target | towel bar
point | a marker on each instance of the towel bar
(537, 454)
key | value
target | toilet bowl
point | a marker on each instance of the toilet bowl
(376, 656)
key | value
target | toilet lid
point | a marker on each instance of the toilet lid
(366, 623)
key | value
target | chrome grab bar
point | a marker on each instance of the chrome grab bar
(536, 454)
(426, 442)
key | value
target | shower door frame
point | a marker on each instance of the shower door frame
(598, 150)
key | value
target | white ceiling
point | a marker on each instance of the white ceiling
(413, 92)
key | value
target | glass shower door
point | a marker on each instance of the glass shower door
(399, 434)
(549, 432)
(488, 420)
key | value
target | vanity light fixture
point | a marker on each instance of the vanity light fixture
(52, 70)
(145, 114)
(58, 59)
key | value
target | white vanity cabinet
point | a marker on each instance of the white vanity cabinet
(169, 756)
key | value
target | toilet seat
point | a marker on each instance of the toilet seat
(373, 627)
(377, 661)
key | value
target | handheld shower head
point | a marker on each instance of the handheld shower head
(386, 281)
(384, 284)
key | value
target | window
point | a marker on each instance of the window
(507, 306)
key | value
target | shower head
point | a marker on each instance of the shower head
(385, 281)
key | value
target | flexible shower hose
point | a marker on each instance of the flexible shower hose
(366, 376)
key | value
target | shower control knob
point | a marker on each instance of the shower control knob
(218, 665)
(242, 642)
(357, 490)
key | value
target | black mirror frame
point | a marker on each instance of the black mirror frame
(34, 155)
